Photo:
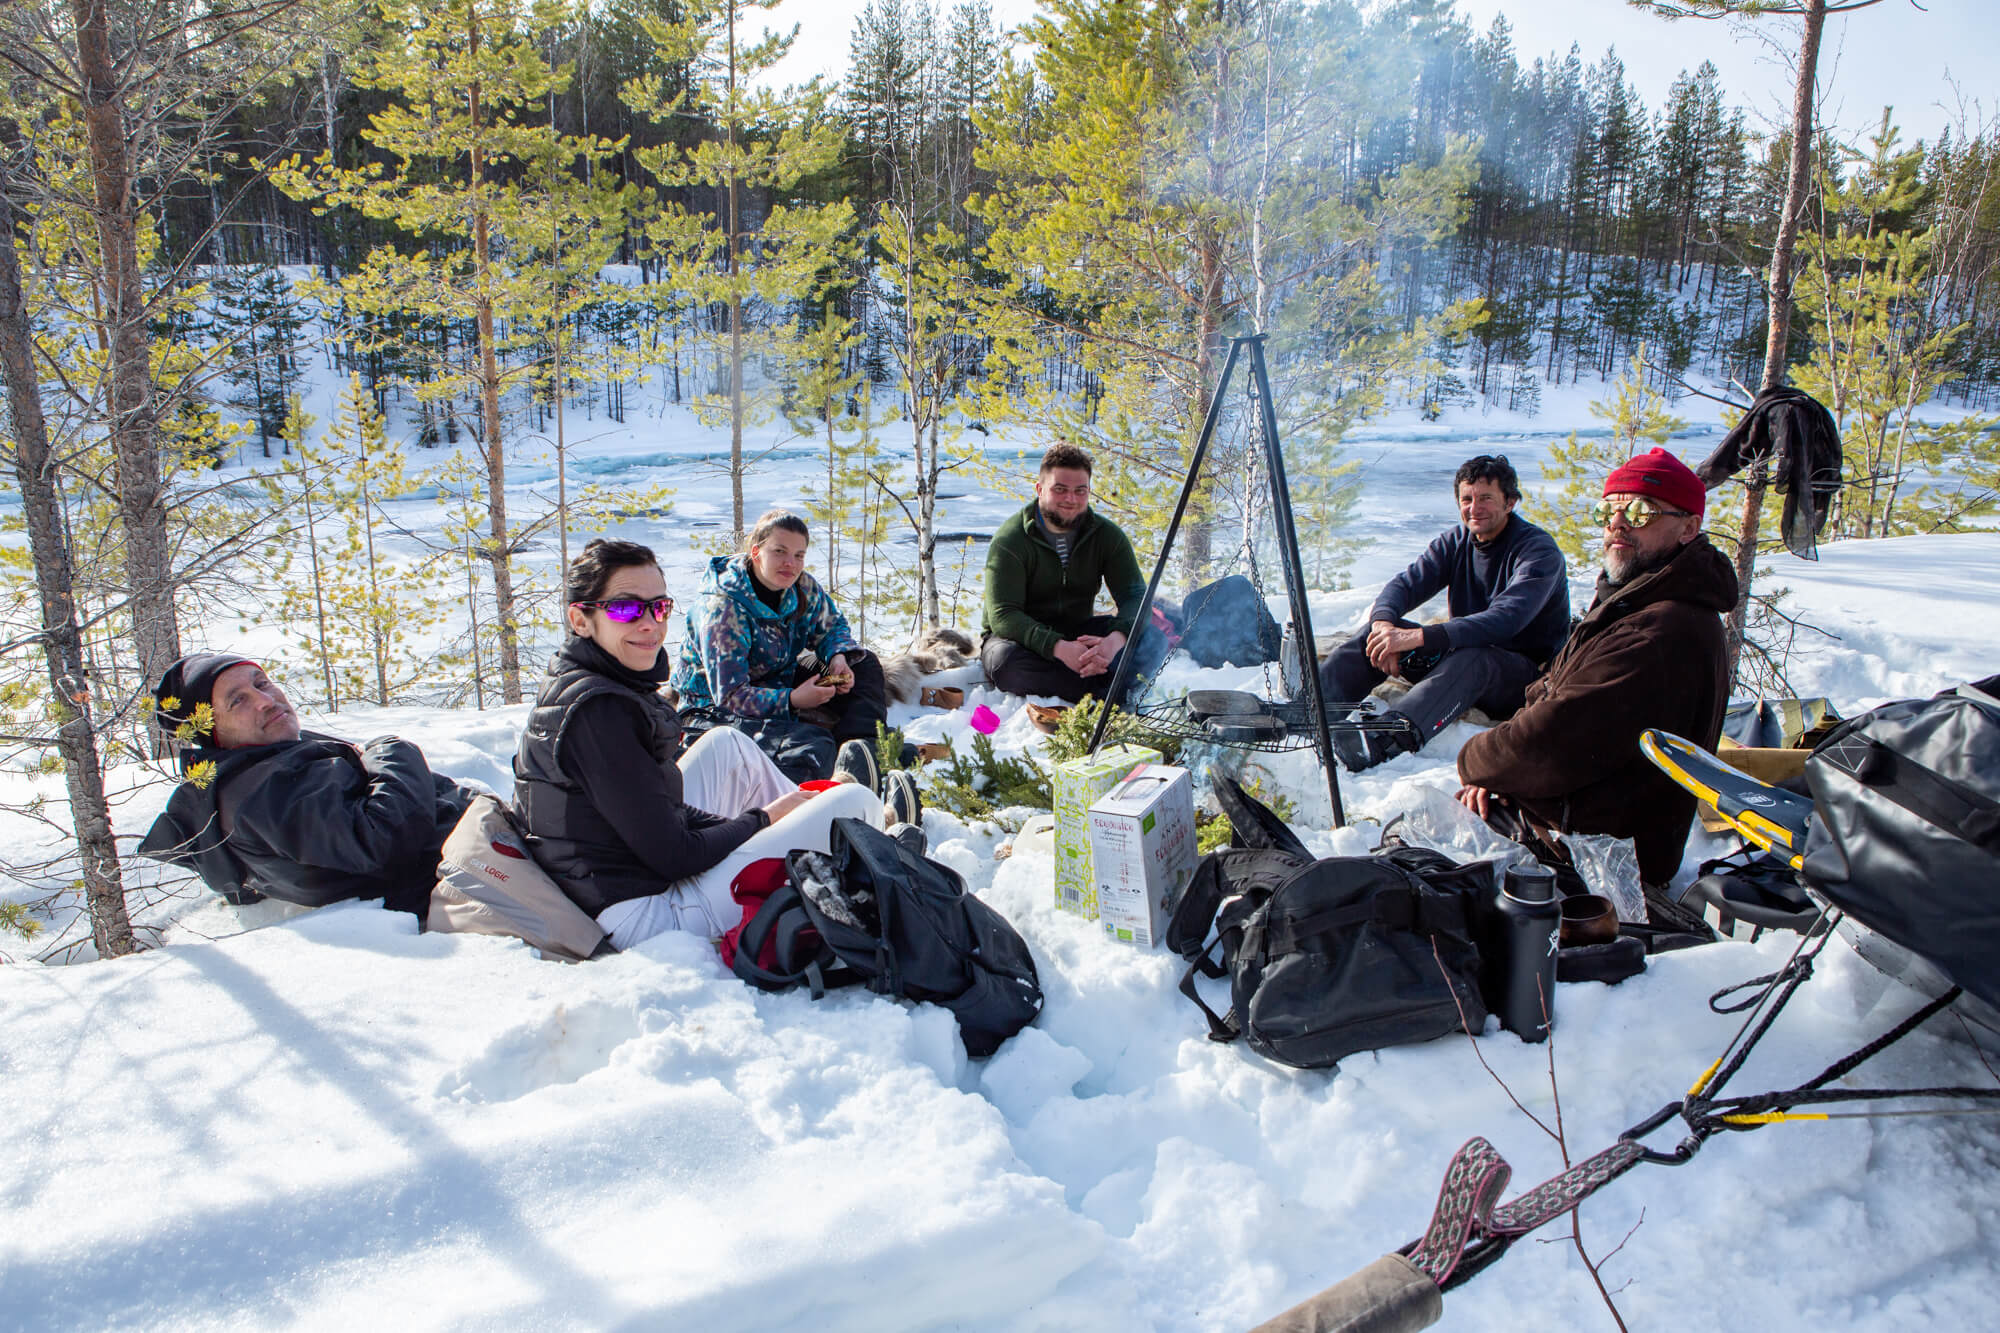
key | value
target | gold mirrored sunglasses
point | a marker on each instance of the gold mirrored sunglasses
(1637, 512)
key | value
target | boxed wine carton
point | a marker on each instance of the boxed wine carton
(1142, 847)
(1076, 785)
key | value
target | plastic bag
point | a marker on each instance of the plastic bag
(1433, 818)
(1610, 869)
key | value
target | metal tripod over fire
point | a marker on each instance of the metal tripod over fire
(1307, 714)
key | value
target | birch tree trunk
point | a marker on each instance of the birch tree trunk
(927, 524)
(1197, 534)
(737, 526)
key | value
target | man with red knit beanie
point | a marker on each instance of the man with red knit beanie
(1648, 653)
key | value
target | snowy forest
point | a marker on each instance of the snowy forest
(494, 228)
(331, 330)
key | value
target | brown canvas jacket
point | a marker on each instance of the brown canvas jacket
(1648, 654)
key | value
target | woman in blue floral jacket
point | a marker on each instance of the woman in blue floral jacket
(768, 652)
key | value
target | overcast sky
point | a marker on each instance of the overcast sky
(1893, 53)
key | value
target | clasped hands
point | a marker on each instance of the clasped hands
(1090, 654)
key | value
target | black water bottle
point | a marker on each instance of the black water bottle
(1531, 917)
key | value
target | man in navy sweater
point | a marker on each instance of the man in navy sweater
(1507, 596)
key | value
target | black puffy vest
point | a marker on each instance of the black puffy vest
(572, 841)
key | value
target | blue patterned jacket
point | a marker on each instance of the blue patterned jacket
(740, 655)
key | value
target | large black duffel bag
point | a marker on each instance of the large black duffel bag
(1906, 837)
(1329, 957)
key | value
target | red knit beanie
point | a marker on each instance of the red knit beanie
(1658, 475)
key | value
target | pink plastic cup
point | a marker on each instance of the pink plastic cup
(985, 721)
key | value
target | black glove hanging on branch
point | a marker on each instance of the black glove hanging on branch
(1793, 431)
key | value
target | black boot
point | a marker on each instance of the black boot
(1362, 750)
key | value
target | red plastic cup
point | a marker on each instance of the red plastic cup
(985, 721)
(819, 784)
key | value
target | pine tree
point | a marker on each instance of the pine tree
(64, 294)
(832, 401)
(71, 702)
(471, 87)
(460, 532)
(1565, 288)
(123, 105)
(1687, 138)
(381, 610)
(1877, 359)
(88, 70)
(255, 311)
(927, 290)
(970, 62)
(1168, 174)
(882, 93)
(1621, 148)
(585, 225)
(1798, 192)
(771, 142)
(307, 474)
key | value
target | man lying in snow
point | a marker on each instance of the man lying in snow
(1648, 653)
(268, 810)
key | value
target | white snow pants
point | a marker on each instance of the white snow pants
(725, 773)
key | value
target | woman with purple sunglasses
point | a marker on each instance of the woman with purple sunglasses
(643, 836)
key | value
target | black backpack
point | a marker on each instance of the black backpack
(1906, 829)
(1328, 957)
(874, 912)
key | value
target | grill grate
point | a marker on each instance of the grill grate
(1171, 718)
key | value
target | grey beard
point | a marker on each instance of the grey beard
(1640, 565)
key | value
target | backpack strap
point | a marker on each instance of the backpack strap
(1254, 824)
(1188, 935)
(860, 849)
(784, 915)
(796, 939)
(1194, 915)
(1222, 1028)
(1283, 937)
(888, 902)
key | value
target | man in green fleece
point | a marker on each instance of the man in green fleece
(1043, 571)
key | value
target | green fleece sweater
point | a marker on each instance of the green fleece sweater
(1037, 601)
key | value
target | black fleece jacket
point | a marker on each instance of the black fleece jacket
(312, 821)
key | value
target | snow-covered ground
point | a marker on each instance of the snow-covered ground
(325, 1119)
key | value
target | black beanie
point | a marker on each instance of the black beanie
(191, 682)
